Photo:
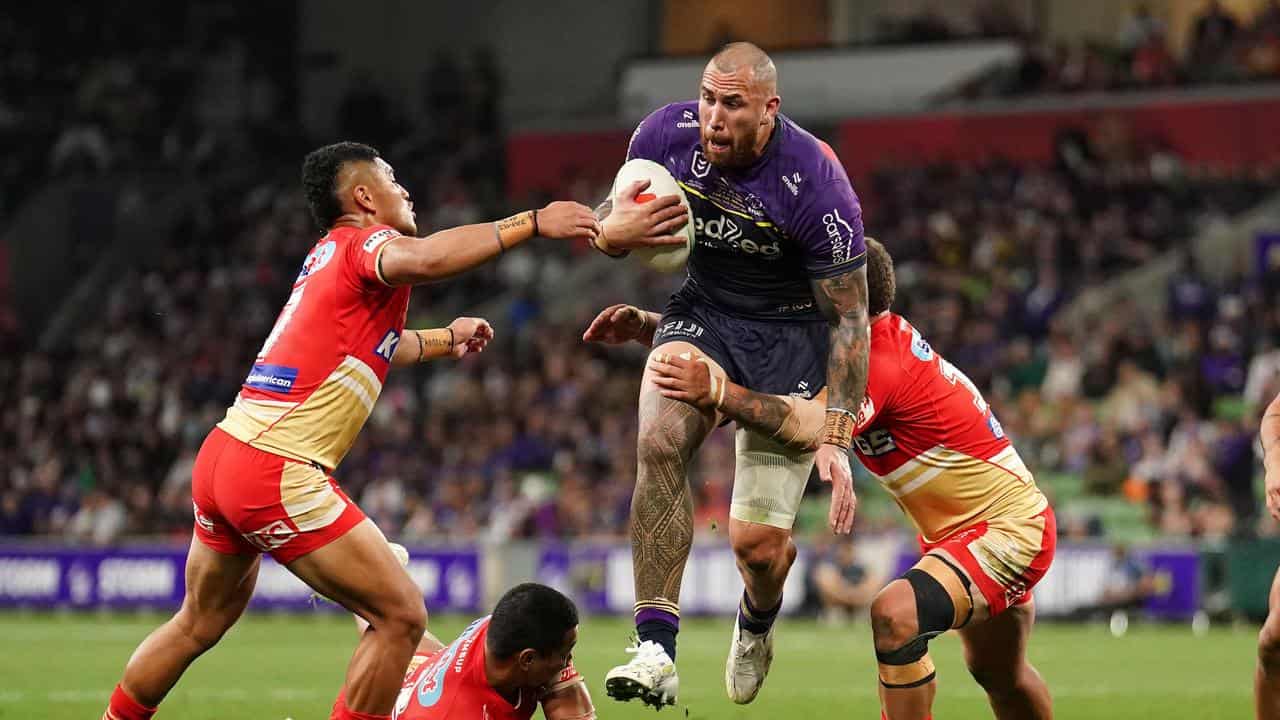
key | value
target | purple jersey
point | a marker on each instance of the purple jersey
(763, 232)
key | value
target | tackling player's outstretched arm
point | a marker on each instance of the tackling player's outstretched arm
(795, 422)
(413, 260)
(462, 336)
(1269, 437)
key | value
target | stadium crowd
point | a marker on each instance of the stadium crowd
(1220, 48)
(535, 438)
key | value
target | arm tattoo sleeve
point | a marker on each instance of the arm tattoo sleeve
(843, 301)
(763, 413)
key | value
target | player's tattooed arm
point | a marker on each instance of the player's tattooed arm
(794, 422)
(843, 302)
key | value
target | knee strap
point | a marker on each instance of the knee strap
(944, 599)
(907, 667)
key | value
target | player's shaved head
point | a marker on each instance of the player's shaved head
(746, 56)
(882, 286)
(738, 105)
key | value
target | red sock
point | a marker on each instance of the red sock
(342, 712)
(123, 707)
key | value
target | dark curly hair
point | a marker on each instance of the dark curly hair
(881, 285)
(530, 616)
(320, 177)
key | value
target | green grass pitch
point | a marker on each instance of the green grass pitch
(277, 667)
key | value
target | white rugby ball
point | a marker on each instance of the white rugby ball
(670, 258)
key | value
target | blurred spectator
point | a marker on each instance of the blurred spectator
(838, 586)
(1218, 50)
(1127, 587)
(995, 19)
(1139, 28)
(99, 521)
(1209, 46)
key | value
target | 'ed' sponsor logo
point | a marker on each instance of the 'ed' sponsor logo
(275, 378)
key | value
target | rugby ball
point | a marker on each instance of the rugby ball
(670, 258)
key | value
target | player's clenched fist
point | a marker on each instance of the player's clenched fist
(470, 335)
(566, 220)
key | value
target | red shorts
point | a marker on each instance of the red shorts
(249, 501)
(1005, 557)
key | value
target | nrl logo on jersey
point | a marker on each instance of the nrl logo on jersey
(700, 165)
(687, 120)
(792, 182)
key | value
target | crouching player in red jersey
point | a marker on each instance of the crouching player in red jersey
(502, 667)
(926, 433)
(261, 482)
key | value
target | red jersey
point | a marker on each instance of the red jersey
(450, 684)
(926, 433)
(321, 369)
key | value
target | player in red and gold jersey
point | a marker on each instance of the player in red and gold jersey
(926, 433)
(502, 667)
(261, 482)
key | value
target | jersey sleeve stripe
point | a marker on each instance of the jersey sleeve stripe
(377, 263)
(849, 265)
